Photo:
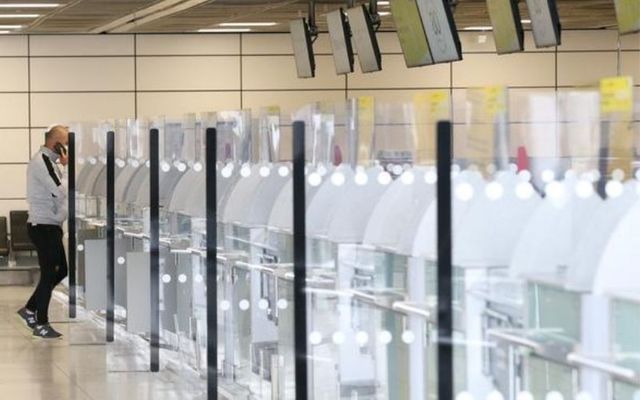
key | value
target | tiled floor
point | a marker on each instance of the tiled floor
(32, 369)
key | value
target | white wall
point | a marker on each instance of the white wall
(47, 79)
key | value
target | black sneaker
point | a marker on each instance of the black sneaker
(29, 319)
(45, 332)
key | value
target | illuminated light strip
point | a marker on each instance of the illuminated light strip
(241, 24)
(30, 5)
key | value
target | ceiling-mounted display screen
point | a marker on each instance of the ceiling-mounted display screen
(545, 22)
(411, 33)
(507, 27)
(440, 28)
(364, 39)
(628, 14)
(340, 35)
(302, 48)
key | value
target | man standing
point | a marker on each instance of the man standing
(47, 198)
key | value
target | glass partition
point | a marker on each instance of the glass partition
(537, 241)
(130, 350)
(91, 248)
(182, 235)
(371, 295)
(545, 217)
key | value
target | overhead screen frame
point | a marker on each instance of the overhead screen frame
(340, 37)
(364, 38)
(508, 32)
(440, 27)
(411, 33)
(545, 22)
(628, 16)
(301, 38)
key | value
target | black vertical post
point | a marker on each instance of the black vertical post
(299, 261)
(444, 150)
(71, 179)
(212, 265)
(154, 247)
(110, 235)
(603, 158)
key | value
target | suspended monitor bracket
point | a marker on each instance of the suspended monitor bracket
(303, 35)
(545, 22)
(363, 30)
(340, 35)
(507, 26)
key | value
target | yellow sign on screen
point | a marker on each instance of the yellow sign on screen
(428, 108)
(366, 124)
(616, 95)
(616, 106)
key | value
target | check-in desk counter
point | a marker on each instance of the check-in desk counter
(605, 263)
(559, 308)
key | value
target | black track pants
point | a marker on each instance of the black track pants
(53, 267)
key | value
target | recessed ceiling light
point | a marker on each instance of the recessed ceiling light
(19, 15)
(525, 21)
(216, 30)
(478, 28)
(4, 32)
(248, 24)
(10, 26)
(29, 5)
(383, 3)
(384, 13)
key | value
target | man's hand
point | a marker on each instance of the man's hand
(64, 157)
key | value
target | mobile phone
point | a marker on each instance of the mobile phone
(60, 149)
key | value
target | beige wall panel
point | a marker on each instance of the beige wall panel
(6, 206)
(15, 75)
(37, 139)
(203, 44)
(82, 74)
(15, 142)
(279, 43)
(189, 73)
(523, 69)
(483, 42)
(396, 75)
(630, 65)
(289, 101)
(14, 182)
(176, 104)
(389, 42)
(279, 72)
(13, 45)
(589, 40)
(585, 69)
(14, 110)
(81, 45)
(48, 108)
(630, 42)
